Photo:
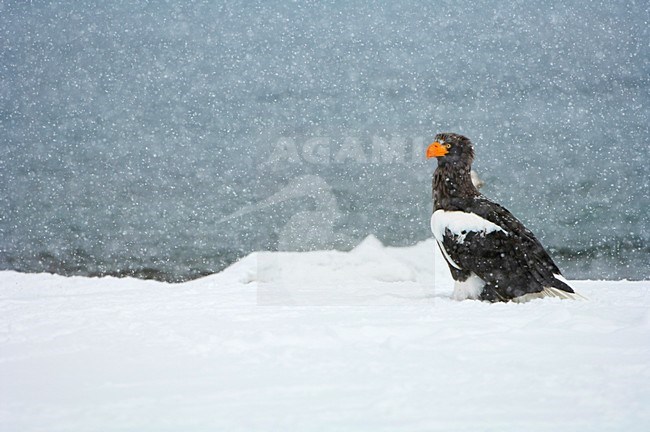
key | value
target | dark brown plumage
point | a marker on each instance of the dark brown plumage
(491, 255)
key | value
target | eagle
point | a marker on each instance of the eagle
(492, 256)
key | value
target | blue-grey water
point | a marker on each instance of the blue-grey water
(168, 139)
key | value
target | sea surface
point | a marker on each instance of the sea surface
(166, 140)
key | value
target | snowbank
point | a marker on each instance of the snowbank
(364, 340)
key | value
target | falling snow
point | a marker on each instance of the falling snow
(131, 131)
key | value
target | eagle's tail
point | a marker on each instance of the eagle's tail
(558, 288)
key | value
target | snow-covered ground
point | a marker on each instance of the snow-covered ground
(364, 340)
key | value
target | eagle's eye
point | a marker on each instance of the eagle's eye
(448, 146)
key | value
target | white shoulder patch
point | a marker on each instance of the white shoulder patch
(460, 224)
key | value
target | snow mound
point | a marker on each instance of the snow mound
(335, 277)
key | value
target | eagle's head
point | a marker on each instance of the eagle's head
(451, 148)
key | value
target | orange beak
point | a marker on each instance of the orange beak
(436, 150)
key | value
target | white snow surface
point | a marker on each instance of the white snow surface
(365, 340)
